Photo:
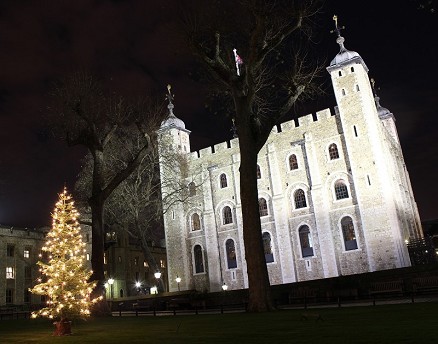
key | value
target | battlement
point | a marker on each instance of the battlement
(304, 123)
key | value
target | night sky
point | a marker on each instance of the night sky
(135, 47)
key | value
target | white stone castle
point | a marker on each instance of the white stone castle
(334, 193)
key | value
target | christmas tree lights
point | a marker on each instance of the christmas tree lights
(65, 276)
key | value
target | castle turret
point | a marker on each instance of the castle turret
(174, 146)
(368, 154)
(174, 128)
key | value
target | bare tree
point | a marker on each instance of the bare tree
(137, 205)
(265, 77)
(84, 115)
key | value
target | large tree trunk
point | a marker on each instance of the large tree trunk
(259, 286)
(98, 245)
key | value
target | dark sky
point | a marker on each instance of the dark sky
(135, 47)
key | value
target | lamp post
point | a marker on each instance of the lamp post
(157, 275)
(178, 280)
(111, 282)
(138, 286)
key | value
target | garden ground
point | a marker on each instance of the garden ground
(401, 323)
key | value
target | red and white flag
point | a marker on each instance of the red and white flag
(238, 60)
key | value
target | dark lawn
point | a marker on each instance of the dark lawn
(406, 323)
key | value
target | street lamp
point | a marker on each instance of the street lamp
(138, 286)
(178, 280)
(111, 282)
(157, 276)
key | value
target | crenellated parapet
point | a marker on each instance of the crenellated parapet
(305, 123)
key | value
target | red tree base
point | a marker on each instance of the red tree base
(62, 328)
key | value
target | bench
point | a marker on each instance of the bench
(6, 312)
(302, 295)
(425, 284)
(387, 287)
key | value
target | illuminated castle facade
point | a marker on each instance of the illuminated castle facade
(334, 193)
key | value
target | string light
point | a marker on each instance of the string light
(66, 277)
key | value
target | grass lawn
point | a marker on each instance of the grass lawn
(405, 323)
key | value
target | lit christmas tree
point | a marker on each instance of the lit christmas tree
(65, 275)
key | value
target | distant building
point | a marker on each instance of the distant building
(334, 193)
(124, 263)
(127, 266)
(20, 250)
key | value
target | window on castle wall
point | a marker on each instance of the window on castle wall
(259, 174)
(119, 259)
(10, 250)
(10, 272)
(223, 181)
(341, 190)
(231, 254)
(355, 130)
(343, 92)
(198, 259)
(352, 69)
(300, 199)
(196, 222)
(333, 152)
(9, 295)
(192, 189)
(348, 233)
(27, 296)
(28, 272)
(305, 241)
(357, 88)
(227, 215)
(293, 163)
(263, 207)
(340, 73)
(267, 247)
(26, 252)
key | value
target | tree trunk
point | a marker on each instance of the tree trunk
(259, 286)
(98, 245)
(62, 327)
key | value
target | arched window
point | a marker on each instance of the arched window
(333, 152)
(300, 199)
(198, 259)
(348, 233)
(196, 222)
(267, 247)
(263, 207)
(231, 254)
(293, 163)
(192, 189)
(340, 73)
(259, 174)
(343, 92)
(121, 292)
(227, 216)
(352, 69)
(341, 190)
(305, 241)
(223, 181)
